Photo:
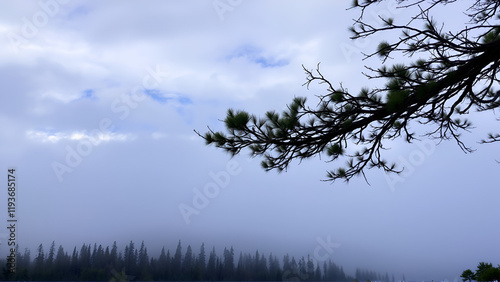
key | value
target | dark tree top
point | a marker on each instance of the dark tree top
(448, 74)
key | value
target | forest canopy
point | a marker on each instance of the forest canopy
(98, 263)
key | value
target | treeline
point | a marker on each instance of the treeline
(100, 263)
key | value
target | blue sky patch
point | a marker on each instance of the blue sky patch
(78, 12)
(255, 55)
(163, 98)
(88, 93)
(157, 96)
(270, 63)
(184, 100)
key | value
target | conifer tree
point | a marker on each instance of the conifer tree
(50, 258)
(177, 262)
(61, 263)
(211, 265)
(38, 270)
(113, 256)
(130, 258)
(229, 263)
(187, 264)
(143, 261)
(202, 260)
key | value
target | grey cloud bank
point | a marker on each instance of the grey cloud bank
(126, 165)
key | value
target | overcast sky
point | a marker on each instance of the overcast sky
(99, 102)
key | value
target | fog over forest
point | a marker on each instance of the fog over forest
(134, 263)
(98, 109)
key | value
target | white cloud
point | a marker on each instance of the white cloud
(47, 136)
(158, 135)
(60, 96)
